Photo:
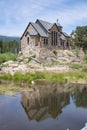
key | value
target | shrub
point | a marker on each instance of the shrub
(54, 51)
(76, 66)
(31, 57)
(7, 56)
(85, 58)
(6, 77)
(17, 76)
(84, 69)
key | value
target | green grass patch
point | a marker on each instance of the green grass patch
(76, 76)
(85, 58)
(6, 76)
(75, 66)
(60, 78)
(7, 56)
(7, 89)
(84, 69)
(54, 63)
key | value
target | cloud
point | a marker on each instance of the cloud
(69, 16)
(15, 15)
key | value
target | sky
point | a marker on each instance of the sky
(16, 14)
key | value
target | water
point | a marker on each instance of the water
(45, 109)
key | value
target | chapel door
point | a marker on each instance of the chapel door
(67, 44)
(37, 40)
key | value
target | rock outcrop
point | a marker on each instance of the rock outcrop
(42, 59)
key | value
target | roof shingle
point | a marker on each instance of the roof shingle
(39, 30)
(45, 24)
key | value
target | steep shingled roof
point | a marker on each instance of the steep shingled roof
(62, 37)
(39, 30)
(33, 32)
(45, 24)
(65, 34)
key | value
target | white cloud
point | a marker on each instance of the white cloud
(68, 16)
(15, 15)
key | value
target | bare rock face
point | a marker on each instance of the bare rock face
(35, 63)
(64, 56)
(14, 67)
(46, 56)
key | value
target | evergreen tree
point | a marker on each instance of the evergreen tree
(79, 37)
(11, 46)
(1, 46)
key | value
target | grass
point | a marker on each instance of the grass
(10, 87)
(84, 69)
(85, 58)
(6, 89)
(5, 76)
(60, 78)
(7, 56)
(75, 66)
(38, 76)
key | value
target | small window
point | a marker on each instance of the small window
(28, 40)
(52, 38)
(56, 38)
(45, 41)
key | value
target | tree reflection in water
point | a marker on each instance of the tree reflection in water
(80, 97)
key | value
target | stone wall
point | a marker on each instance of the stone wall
(49, 45)
(54, 28)
(59, 45)
(24, 45)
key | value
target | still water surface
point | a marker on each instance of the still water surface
(44, 110)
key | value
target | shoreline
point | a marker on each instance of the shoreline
(19, 81)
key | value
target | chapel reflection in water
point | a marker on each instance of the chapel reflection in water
(48, 101)
(42, 104)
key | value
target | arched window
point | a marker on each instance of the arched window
(54, 38)
(28, 40)
(44, 40)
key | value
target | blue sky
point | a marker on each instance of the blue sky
(16, 14)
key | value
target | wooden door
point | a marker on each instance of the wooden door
(37, 40)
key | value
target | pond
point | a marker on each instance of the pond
(47, 108)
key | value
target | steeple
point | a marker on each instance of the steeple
(57, 21)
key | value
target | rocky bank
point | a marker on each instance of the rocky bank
(41, 59)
